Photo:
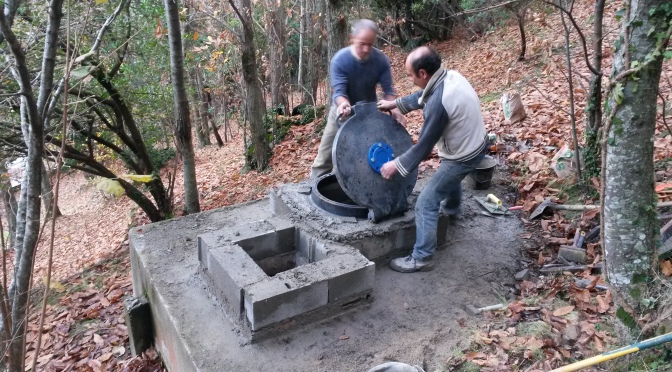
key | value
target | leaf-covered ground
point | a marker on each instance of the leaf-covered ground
(553, 320)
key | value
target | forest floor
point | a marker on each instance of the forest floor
(552, 321)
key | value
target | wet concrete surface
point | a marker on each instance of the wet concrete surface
(415, 318)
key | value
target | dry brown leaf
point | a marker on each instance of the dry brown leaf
(598, 344)
(563, 310)
(527, 287)
(666, 268)
(476, 355)
(590, 214)
(602, 305)
(593, 281)
(516, 307)
(97, 339)
(118, 350)
(43, 359)
(582, 295)
(533, 344)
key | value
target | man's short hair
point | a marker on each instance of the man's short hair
(363, 24)
(428, 60)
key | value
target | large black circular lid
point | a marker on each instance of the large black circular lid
(363, 143)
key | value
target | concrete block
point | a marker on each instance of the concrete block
(139, 322)
(404, 238)
(277, 205)
(352, 283)
(375, 246)
(315, 250)
(274, 300)
(305, 244)
(230, 270)
(267, 243)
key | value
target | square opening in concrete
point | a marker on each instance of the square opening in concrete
(269, 271)
(275, 253)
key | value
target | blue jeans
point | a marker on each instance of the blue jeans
(445, 184)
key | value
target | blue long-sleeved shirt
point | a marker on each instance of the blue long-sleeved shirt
(356, 79)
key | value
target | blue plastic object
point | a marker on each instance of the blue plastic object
(379, 154)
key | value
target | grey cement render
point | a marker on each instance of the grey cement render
(415, 318)
(233, 258)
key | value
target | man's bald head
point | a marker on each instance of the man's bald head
(424, 58)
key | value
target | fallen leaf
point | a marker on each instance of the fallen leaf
(666, 268)
(105, 357)
(563, 310)
(598, 344)
(476, 355)
(527, 287)
(590, 214)
(97, 339)
(533, 344)
(44, 358)
(54, 284)
(602, 305)
(344, 337)
(118, 350)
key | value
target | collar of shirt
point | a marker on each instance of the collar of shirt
(436, 79)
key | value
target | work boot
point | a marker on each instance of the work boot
(409, 264)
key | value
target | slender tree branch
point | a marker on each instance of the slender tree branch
(123, 48)
(484, 9)
(99, 38)
(20, 93)
(669, 132)
(578, 30)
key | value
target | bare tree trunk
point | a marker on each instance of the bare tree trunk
(255, 107)
(408, 16)
(629, 214)
(337, 30)
(277, 55)
(202, 128)
(29, 223)
(594, 107)
(225, 124)
(521, 27)
(10, 206)
(302, 37)
(206, 99)
(47, 193)
(572, 116)
(181, 107)
(316, 51)
(200, 120)
(309, 55)
(397, 28)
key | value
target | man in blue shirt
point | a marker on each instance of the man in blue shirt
(354, 73)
